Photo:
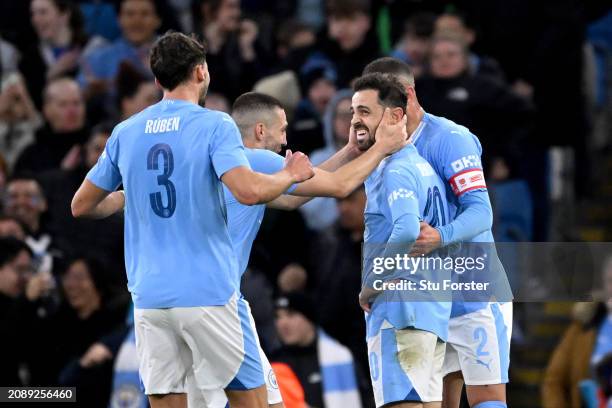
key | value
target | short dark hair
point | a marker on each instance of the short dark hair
(420, 25)
(391, 93)
(255, 101)
(347, 8)
(173, 58)
(106, 127)
(389, 66)
(128, 80)
(10, 248)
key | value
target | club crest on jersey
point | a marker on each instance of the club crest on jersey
(400, 193)
(466, 162)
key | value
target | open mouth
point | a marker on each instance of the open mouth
(361, 132)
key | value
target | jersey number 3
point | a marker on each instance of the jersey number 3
(163, 150)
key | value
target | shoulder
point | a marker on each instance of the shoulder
(264, 161)
(449, 133)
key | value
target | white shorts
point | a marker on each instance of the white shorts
(405, 365)
(217, 343)
(479, 345)
(217, 398)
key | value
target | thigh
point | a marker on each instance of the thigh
(481, 342)
(164, 358)
(402, 364)
(223, 345)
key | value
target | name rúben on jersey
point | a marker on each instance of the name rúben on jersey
(162, 125)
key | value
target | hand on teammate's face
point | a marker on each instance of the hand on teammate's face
(391, 135)
(299, 166)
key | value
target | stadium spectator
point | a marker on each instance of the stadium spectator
(15, 270)
(139, 21)
(317, 83)
(217, 101)
(413, 47)
(321, 212)
(73, 236)
(236, 59)
(57, 142)
(584, 345)
(11, 227)
(9, 57)
(350, 42)
(91, 309)
(26, 202)
(316, 359)
(339, 249)
(459, 25)
(293, 35)
(135, 92)
(499, 117)
(19, 119)
(62, 41)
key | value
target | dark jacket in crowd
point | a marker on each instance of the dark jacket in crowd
(102, 238)
(49, 149)
(488, 108)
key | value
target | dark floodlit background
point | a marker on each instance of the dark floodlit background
(532, 79)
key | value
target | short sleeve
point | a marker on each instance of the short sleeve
(105, 174)
(267, 162)
(400, 189)
(226, 148)
(462, 167)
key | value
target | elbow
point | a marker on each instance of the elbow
(77, 210)
(248, 197)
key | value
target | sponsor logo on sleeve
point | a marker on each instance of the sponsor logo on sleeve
(399, 194)
(466, 162)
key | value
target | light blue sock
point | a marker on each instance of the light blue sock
(491, 404)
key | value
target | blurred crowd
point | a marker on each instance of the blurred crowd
(523, 76)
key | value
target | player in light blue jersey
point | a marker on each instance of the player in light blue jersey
(262, 123)
(405, 336)
(478, 349)
(171, 160)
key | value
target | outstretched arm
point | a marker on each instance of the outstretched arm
(390, 137)
(250, 187)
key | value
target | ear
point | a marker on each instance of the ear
(200, 73)
(259, 131)
(397, 114)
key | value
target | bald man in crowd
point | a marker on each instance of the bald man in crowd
(58, 142)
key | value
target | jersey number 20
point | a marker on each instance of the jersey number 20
(435, 206)
(163, 150)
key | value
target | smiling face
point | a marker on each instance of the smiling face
(47, 19)
(367, 114)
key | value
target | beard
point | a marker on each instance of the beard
(366, 142)
(202, 95)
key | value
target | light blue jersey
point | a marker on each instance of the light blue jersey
(244, 221)
(170, 159)
(455, 154)
(403, 190)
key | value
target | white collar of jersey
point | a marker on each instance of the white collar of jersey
(417, 132)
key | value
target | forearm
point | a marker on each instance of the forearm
(476, 217)
(343, 181)
(340, 158)
(267, 187)
(111, 204)
(288, 202)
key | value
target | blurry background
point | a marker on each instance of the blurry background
(532, 79)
